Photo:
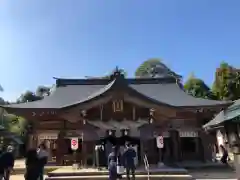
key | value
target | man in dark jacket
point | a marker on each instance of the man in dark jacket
(7, 163)
(33, 168)
(128, 158)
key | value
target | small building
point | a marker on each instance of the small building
(220, 122)
(118, 109)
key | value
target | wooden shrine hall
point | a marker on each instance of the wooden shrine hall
(118, 109)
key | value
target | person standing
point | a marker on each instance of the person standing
(1, 166)
(32, 165)
(120, 167)
(112, 164)
(43, 159)
(7, 163)
(128, 158)
(224, 158)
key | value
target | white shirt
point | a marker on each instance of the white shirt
(42, 153)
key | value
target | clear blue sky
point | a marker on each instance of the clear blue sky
(46, 38)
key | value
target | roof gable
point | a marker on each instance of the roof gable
(162, 90)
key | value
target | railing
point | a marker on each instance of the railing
(145, 159)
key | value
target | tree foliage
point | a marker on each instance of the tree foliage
(226, 85)
(227, 82)
(145, 69)
(154, 68)
(30, 96)
(197, 88)
(16, 124)
(43, 91)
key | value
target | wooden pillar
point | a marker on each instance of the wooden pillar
(32, 138)
(84, 153)
(134, 113)
(207, 143)
(30, 141)
(142, 153)
(61, 148)
(175, 145)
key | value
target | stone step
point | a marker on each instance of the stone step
(140, 177)
(70, 172)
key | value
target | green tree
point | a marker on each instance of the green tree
(197, 88)
(227, 82)
(2, 102)
(43, 91)
(28, 96)
(154, 68)
(15, 124)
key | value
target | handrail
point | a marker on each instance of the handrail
(145, 159)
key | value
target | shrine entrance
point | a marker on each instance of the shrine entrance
(120, 143)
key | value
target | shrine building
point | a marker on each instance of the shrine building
(119, 109)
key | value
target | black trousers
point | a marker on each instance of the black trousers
(7, 174)
(132, 171)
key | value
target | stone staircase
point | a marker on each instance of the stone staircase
(90, 174)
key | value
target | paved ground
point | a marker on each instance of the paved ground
(213, 174)
(17, 177)
(20, 177)
(199, 175)
(202, 174)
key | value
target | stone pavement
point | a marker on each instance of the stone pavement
(20, 177)
(213, 174)
(19, 163)
(17, 177)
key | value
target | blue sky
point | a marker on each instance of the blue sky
(59, 38)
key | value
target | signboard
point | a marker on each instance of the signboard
(160, 142)
(74, 143)
(188, 134)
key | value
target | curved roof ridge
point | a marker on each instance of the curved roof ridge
(95, 94)
(119, 84)
(173, 95)
(164, 92)
(65, 82)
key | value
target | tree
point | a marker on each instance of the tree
(144, 70)
(28, 96)
(43, 91)
(154, 68)
(226, 84)
(233, 86)
(2, 102)
(197, 88)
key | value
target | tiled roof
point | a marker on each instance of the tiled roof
(75, 91)
(230, 113)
